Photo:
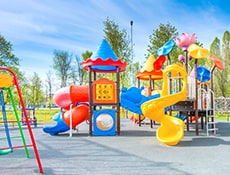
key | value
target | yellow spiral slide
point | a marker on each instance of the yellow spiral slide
(171, 130)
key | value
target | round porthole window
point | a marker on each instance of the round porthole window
(104, 121)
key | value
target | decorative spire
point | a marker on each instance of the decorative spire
(104, 51)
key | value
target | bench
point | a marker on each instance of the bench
(10, 121)
(32, 122)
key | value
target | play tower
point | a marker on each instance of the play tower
(104, 93)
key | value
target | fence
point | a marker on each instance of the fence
(222, 105)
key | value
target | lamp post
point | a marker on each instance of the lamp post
(131, 24)
(131, 40)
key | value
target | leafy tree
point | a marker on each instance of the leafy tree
(215, 50)
(78, 74)
(87, 54)
(7, 58)
(221, 77)
(118, 39)
(77, 71)
(130, 75)
(34, 95)
(62, 65)
(159, 37)
(49, 87)
(226, 60)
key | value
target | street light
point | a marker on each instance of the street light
(132, 70)
(131, 24)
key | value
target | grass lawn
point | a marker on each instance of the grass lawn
(222, 117)
(44, 115)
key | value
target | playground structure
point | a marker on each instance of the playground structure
(75, 109)
(172, 128)
(187, 92)
(8, 80)
(197, 100)
(31, 116)
(83, 103)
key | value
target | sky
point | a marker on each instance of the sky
(36, 28)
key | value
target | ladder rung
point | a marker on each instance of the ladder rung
(213, 129)
(211, 116)
(211, 123)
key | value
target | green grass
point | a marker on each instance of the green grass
(222, 117)
(44, 115)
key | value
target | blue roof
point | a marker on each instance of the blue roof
(104, 52)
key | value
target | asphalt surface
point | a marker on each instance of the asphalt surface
(136, 151)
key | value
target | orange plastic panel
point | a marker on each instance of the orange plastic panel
(104, 91)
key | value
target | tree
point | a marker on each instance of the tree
(159, 37)
(77, 71)
(119, 42)
(118, 39)
(78, 74)
(221, 77)
(87, 54)
(34, 92)
(215, 49)
(130, 72)
(226, 60)
(49, 87)
(62, 65)
(7, 58)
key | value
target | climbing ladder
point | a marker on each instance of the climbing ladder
(210, 113)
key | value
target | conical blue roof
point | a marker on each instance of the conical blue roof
(104, 51)
(104, 60)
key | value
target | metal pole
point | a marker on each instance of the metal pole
(131, 24)
(71, 121)
(118, 101)
(196, 100)
(90, 103)
(131, 40)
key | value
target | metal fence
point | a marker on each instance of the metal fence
(222, 105)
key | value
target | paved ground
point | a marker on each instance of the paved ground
(135, 152)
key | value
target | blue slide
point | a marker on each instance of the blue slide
(59, 127)
(132, 99)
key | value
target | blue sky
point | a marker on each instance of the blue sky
(37, 27)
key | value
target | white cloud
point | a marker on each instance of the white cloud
(36, 28)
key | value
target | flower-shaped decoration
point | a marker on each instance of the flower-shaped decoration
(197, 52)
(217, 62)
(185, 41)
(166, 48)
(203, 74)
(181, 58)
